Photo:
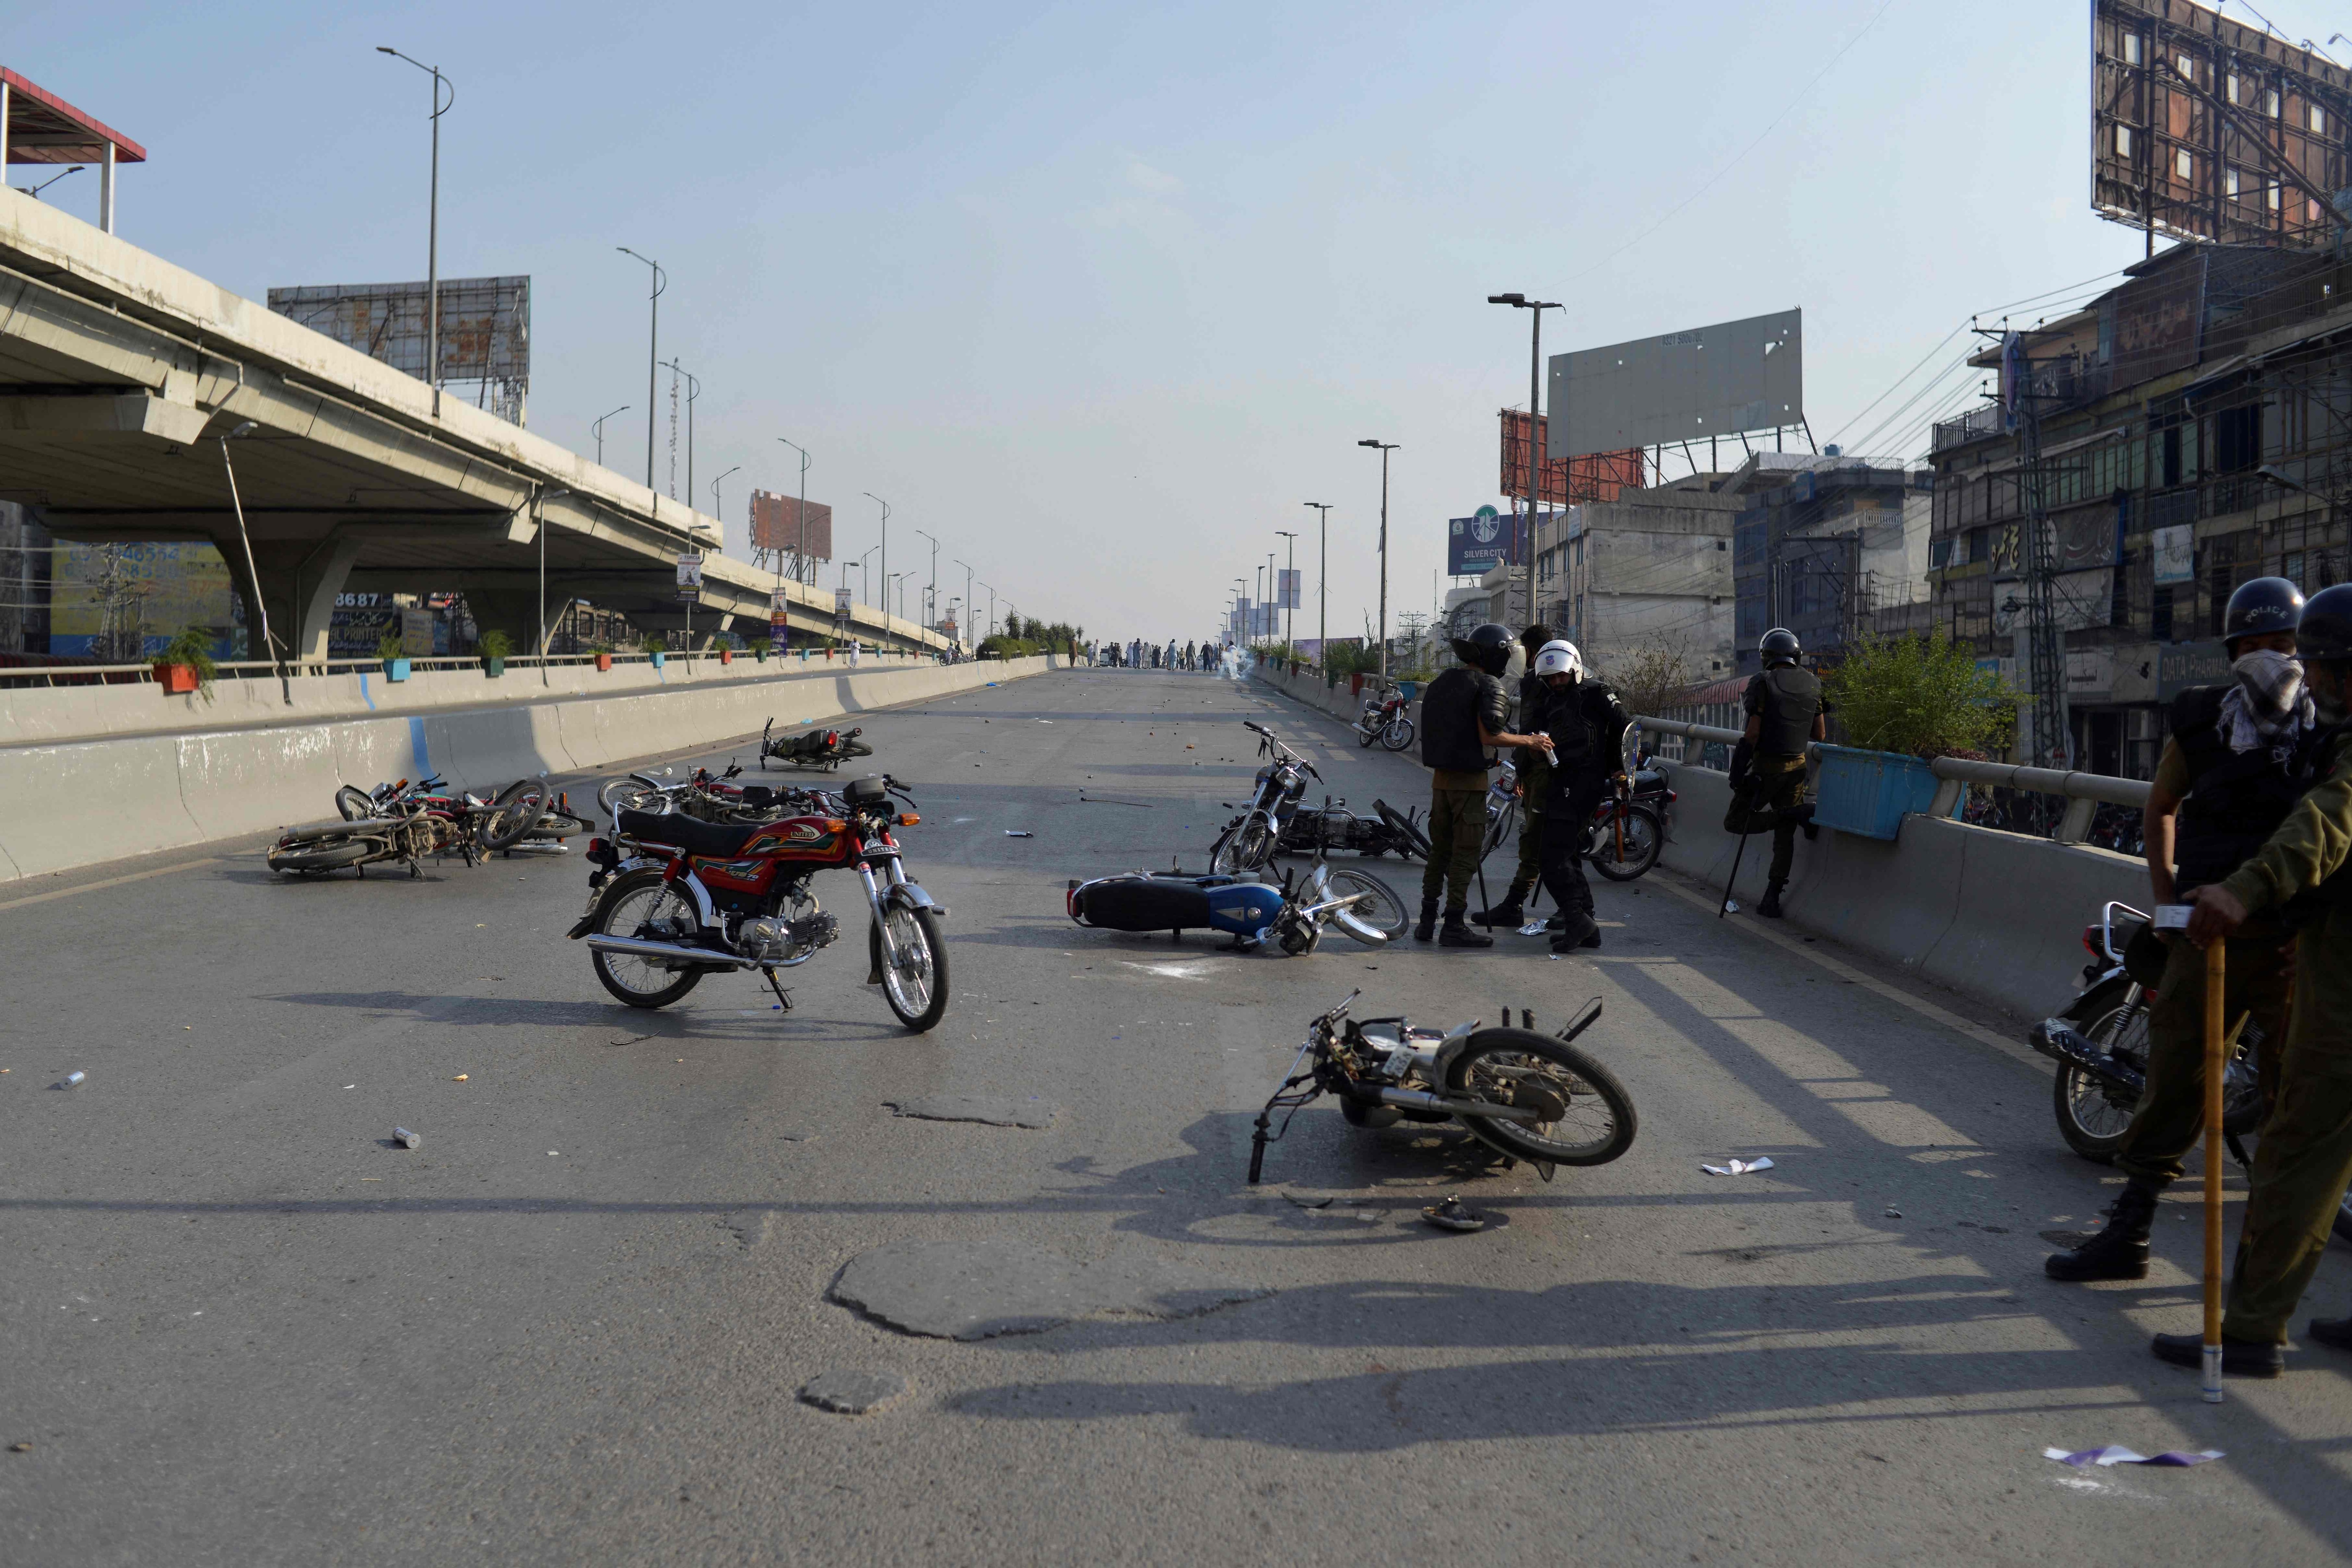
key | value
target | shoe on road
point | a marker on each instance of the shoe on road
(1454, 1215)
(2117, 1252)
(1458, 934)
(2239, 1359)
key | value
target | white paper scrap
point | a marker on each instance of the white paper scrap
(1740, 1167)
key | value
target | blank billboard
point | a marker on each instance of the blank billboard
(1683, 386)
(485, 329)
(775, 525)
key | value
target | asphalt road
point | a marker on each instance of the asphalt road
(238, 1327)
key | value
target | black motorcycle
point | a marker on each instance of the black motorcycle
(1250, 841)
(1337, 828)
(2100, 1044)
(825, 748)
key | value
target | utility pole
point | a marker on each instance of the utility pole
(1322, 584)
(432, 226)
(693, 390)
(1384, 447)
(596, 428)
(1535, 443)
(803, 565)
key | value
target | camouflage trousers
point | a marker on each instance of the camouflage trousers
(1457, 832)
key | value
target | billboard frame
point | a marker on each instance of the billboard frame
(1665, 391)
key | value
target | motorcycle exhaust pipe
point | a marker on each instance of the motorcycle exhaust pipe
(636, 948)
(1416, 1100)
(2061, 1041)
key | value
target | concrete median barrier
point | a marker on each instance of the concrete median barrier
(81, 803)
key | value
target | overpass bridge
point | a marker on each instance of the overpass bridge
(120, 373)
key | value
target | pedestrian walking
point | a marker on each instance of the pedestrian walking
(2238, 760)
(1464, 712)
(1533, 783)
(2304, 1158)
(1785, 712)
(1586, 722)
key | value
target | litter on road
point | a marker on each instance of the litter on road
(405, 1139)
(72, 1080)
(2115, 1454)
(1740, 1167)
(1017, 834)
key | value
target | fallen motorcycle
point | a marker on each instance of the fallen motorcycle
(1290, 915)
(406, 822)
(1528, 1096)
(1337, 828)
(1248, 842)
(2100, 1044)
(825, 748)
(675, 898)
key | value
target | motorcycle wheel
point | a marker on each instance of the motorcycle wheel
(1398, 735)
(311, 859)
(1364, 738)
(1590, 1118)
(1410, 842)
(914, 967)
(630, 907)
(557, 825)
(1498, 827)
(1245, 849)
(1376, 923)
(516, 811)
(354, 805)
(856, 748)
(2089, 1119)
(1645, 838)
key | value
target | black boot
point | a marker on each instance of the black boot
(2117, 1252)
(1769, 905)
(1427, 928)
(1805, 820)
(1511, 912)
(2336, 1332)
(2240, 1358)
(1457, 934)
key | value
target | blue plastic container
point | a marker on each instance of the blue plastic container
(1867, 792)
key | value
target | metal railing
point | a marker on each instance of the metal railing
(2083, 793)
(37, 675)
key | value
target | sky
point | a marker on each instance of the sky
(1101, 295)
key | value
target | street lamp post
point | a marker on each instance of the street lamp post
(715, 510)
(968, 602)
(992, 609)
(1384, 448)
(252, 572)
(34, 191)
(804, 564)
(1290, 621)
(1322, 587)
(886, 556)
(1535, 308)
(653, 354)
(866, 582)
(932, 592)
(431, 227)
(596, 428)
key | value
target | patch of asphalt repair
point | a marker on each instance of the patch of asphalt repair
(847, 1391)
(992, 1110)
(969, 1289)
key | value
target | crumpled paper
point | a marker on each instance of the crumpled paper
(2113, 1454)
(1740, 1167)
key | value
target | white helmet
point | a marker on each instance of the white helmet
(1559, 657)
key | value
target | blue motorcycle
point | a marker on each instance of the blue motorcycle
(1291, 914)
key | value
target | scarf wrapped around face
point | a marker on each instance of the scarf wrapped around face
(2266, 705)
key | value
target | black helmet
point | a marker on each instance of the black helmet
(1779, 643)
(2326, 629)
(2261, 605)
(1488, 648)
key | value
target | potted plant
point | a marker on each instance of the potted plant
(494, 646)
(185, 664)
(656, 650)
(726, 653)
(1902, 701)
(393, 652)
(604, 656)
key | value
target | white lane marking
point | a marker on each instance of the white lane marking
(110, 881)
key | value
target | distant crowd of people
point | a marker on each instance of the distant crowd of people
(1138, 654)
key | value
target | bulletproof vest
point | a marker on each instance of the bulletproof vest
(1449, 721)
(2235, 800)
(1792, 701)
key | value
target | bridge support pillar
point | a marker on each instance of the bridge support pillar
(298, 583)
(513, 611)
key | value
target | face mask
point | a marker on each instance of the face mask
(2272, 681)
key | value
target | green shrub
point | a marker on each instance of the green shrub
(654, 643)
(1919, 695)
(494, 644)
(390, 646)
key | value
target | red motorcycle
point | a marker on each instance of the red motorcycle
(1386, 718)
(675, 898)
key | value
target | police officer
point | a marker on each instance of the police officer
(2236, 762)
(1785, 710)
(2303, 1160)
(1586, 722)
(1463, 712)
(1534, 782)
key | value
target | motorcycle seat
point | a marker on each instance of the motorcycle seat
(713, 840)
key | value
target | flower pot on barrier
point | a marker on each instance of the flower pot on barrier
(1409, 689)
(603, 661)
(658, 659)
(1355, 685)
(177, 680)
(1867, 793)
(726, 655)
(493, 668)
(395, 669)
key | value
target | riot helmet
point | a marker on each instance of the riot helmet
(1559, 657)
(2326, 632)
(1779, 646)
(1488, 648)
(2261, 605)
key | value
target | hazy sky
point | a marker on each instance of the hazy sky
(1100, 295)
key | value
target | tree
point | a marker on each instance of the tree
(1656, 675)
(1920, 695)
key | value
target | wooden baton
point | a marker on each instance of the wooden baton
(2216, 957)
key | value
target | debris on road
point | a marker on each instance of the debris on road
(73, 1079)
(406, 1139)
(1532, 928)
(459, 1078)
(969, 1289)
(993, 1111)
(1740, 1167)
(853, 1393)
(1454, 1215)
(20, 1447)
(2115, 1454)
(1017, 834)
(1892, 1212)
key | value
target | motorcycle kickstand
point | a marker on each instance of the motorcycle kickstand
(2238, 1151)
(1257, 1146)
(783, 998)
